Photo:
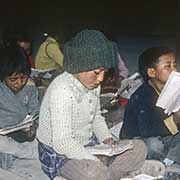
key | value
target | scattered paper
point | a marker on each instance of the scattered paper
(132, 83)
(44, 73)
(128, 87)
(144, 177)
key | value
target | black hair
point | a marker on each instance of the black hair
(12, 35)
(150, 57)
(13, 60)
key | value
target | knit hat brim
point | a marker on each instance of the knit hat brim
(90, 58)
(89, 50)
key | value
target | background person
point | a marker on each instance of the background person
(49, 55)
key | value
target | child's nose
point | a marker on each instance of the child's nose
(19, 82)
(101, 76)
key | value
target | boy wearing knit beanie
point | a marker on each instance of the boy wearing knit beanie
(70, 117)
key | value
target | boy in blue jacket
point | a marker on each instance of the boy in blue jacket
(146, 121)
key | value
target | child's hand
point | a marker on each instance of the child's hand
(30, 131)
(111, 142)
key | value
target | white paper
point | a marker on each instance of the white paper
(132, 83)
(45, 72)
(107, 150)
(26, 123)
(143, 177)
(128, 87)
(115, 130)
(169, 98)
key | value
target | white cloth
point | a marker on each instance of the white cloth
(26, 166)
(27, 150)
(69, 114)
(28, 169)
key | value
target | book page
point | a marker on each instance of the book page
(115, 130)
(26, 123)
(107, 150)
(169, 98)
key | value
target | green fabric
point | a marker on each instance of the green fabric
(49, 56)
(89, 50)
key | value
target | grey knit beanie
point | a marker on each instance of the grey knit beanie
(89, 50)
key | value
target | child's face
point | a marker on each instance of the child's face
(162, 70)
(16, 81)
(91, 79)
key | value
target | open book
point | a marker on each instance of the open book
(169, 98)
(107, 150)
(26, 123)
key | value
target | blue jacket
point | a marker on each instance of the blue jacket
(142, 118)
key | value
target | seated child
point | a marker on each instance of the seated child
(146, 121)
(18, 98)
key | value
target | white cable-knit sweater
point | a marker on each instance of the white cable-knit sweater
(69, 114)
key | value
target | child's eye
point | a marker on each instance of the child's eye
(13, 79)
(97, 72)
(174, 65)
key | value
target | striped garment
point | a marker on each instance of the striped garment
(51, 162)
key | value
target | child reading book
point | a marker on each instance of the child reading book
(143, 118)
(18, 98)
(70, 117)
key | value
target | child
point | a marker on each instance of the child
(17, 99)
(142, 118)
(70, 115)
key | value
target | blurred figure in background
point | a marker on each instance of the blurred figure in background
(114, 76)
(49, 55)
(18, 37)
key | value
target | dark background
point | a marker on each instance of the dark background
(134, 24)
(113, 17)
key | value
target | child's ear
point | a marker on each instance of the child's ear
(151, 72)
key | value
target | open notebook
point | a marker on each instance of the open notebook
(107, 150)
(26, 123)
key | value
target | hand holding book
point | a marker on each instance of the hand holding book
(24, 125)
(110, 141)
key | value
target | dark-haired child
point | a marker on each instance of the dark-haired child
(18, 98)
(143, 119)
